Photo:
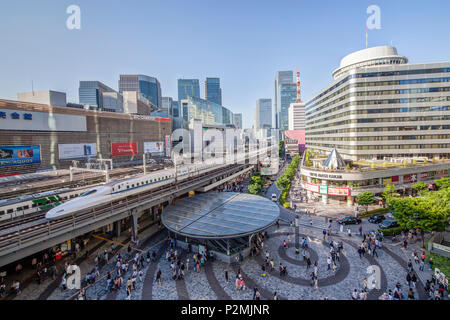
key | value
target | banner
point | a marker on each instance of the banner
(123, 149)
(311, 187)
(19, 155)
(77, 151)
(323, 189)
(336, 191)
(154, 147)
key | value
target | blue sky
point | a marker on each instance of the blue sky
(243, 42)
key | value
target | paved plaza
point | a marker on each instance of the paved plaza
(210, 282)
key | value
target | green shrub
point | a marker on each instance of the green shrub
(287, 205)
(440, 262)
(374, 212)
(391, 231)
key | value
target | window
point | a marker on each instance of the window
(88, 193)
(10, 211)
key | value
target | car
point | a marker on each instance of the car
(387, 224)
(390, 215)
(377, 219)
(274, 197)
(347, 220)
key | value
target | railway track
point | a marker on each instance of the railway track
(80, 179)
(21, 231)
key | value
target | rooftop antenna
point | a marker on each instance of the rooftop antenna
(299, 99)
(32, 87)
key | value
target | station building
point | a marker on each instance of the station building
(37, 137)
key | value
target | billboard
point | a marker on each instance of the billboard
(311, 187)
(123, 148)
(19, 155)
(154, 147)
(409, 178)
(340, 192)
(77, 151)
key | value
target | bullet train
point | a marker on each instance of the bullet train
(127, 187)
(25, 205)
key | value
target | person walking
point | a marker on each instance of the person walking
(275, 296)
(226, 275)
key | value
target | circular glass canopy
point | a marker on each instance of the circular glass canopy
(220, 215)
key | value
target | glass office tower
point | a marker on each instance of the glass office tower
(208, 112)
(213, 92)
(188, 88)
(149, 87)
(91, 93)
(281, 109)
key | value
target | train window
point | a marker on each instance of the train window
(19, 209)
(34, 205)
(88, 193)
(2, 212)
(10, 211)
(132, 185)
(128, 187)
(26, 207)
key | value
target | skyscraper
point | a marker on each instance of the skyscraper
(237, 120)
(188, 88)
(91, 93)
(263, 114)
(213, 92)
(149, 87)
(285, 94)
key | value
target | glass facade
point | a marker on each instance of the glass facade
(385, 111)
(91, 93)
(149, 87)
(188, 88)
(263, 114)
(208, 112)
(283, 78)
(287, 95)
(213, 92)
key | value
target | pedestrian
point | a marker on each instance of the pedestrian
(158, 277)
(360, 230)
(430, 263)
(329, 263)
(226, 275)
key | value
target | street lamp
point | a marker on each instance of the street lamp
(297, 236)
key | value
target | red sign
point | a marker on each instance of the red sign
(409, 178)
(424, 176)
(123, 149)
(395, 180)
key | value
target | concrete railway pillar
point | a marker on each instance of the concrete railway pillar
(117, 228)
(134, 226)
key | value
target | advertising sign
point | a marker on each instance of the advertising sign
(19, 155)
(168, 145)
(387, 181)
(154, 147)
(123, 148)
(424, 176)
(77, 151)
(323, 189)
(409, 178)
(311, 187)
(340, 192)
(394, 180)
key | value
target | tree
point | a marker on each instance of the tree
(256, 180)
(364, 199)
(428, 213)
(282, 182)
(420, 187)
(443, 183)
(281, 148)
(389, 192)
(254, 189)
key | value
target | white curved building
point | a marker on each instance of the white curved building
(380, 106)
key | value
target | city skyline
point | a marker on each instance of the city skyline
(245, 76)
